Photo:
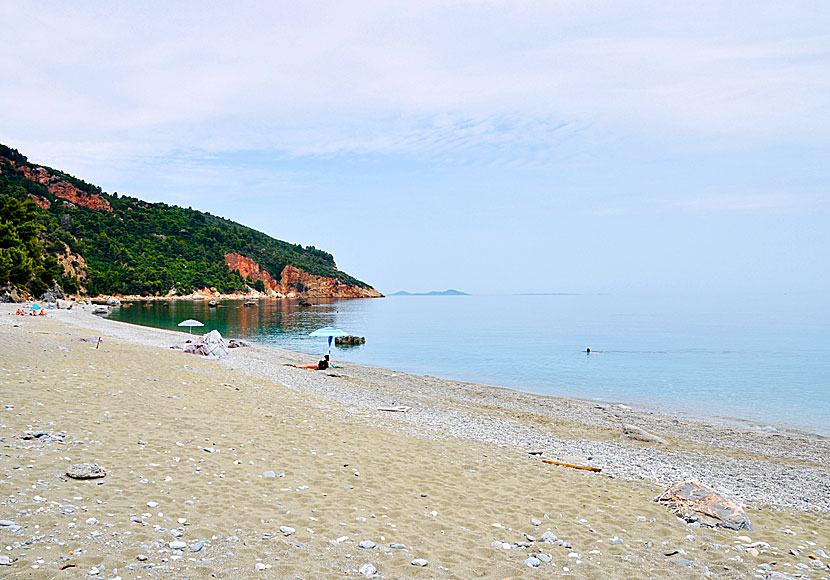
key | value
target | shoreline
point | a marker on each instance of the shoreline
(771, 425)
(437, 403)
(242, 467)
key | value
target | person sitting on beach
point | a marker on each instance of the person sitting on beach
(320, 366)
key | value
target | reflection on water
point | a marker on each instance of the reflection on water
(268, 318)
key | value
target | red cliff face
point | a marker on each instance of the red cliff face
(293, 278)
(248, 268)
(41, 201)
(63, 189)
(296, 282)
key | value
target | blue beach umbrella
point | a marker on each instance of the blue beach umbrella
(330, 332)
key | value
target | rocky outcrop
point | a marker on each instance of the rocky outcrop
(297, 283)
(247, 268)
(74, 265)
(42, 202)
(61, 188)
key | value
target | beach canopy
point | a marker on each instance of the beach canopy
(190, 323)
(330, 332)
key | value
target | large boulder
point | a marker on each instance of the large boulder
(210, 344)
(694, 502)
(9, 294)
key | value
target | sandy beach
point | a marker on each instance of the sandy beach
(244, 467)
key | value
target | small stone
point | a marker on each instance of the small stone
(197, 547)
(141, 558)
(287, 530)
(420, 562)
(616, 541)
(85, 471)
(548, 537)
(177, 545)
(366, 545)
(745, 539)
(152, 504)
(681, 562)
(536, 521)
(91, 521)
(368, 571)
(260, 566)
(753, 552)
(5, 560)
(397, 546)
(533, 562)
(546, 558)
(268, 474)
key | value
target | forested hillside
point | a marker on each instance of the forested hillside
(57, 228)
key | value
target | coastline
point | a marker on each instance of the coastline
(781, 477)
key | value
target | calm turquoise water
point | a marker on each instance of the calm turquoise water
(765, 358)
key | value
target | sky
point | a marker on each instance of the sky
(492, 147)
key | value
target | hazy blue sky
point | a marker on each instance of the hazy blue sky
(565, 146)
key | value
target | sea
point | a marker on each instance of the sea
(763, 358)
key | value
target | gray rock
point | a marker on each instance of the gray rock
(85, 471)
(5, 560)
(548, 537)
(268, 474)
(287, 530)
(397, 546)
(780, 576)
(369, 571)
(533, 562)
(546, 558)
(535, 521)
(177, 545)
(639, 434)
(681, 562)
(6, 523)
(197, 547)
(420, 562)
(366, 545)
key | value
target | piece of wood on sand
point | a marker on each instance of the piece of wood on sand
(572, 465)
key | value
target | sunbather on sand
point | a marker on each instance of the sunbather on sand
(320, 366)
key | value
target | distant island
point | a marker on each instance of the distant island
(449, 292)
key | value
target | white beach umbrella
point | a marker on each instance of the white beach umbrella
(190, 323)
(330, 332)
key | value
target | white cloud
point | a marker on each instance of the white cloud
(361, 76)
